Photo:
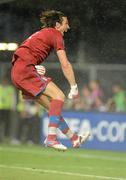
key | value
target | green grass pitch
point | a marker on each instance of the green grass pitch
(38, 163)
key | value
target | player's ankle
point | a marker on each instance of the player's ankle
(51, 137)
(74, 137)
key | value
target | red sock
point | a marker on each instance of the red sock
(55, 107)
(54, 115)
(74, 137)
(51, 137)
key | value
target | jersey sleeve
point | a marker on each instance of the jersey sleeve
(58, 42)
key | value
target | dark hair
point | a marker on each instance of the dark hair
(50, 17)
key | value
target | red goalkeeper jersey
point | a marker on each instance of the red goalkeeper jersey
(37, 47)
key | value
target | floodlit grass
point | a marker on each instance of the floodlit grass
(38, 163)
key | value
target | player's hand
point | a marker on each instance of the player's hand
(40, 70)
(73, 92)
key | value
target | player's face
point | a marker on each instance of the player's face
(64, 26)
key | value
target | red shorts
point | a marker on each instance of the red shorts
(26, 79)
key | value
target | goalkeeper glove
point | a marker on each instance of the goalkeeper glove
(40, 70)
(73, 92)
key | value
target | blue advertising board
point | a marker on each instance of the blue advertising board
(108, 130)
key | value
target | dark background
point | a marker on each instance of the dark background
(98, 27)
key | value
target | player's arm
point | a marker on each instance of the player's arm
(68, 73)
(66, 67)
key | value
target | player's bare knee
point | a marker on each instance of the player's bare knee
(60, 96)
(63, 97)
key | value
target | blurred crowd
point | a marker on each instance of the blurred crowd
(20, 119)
(93, 98)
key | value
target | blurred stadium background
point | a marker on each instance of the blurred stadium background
(96, 46)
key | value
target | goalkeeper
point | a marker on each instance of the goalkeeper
(28, 76)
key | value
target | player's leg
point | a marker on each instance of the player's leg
(54, 112)
(63, 126)
(44, 101)
(76, 139)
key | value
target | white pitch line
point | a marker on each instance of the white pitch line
(85, 155)
(60, 172)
